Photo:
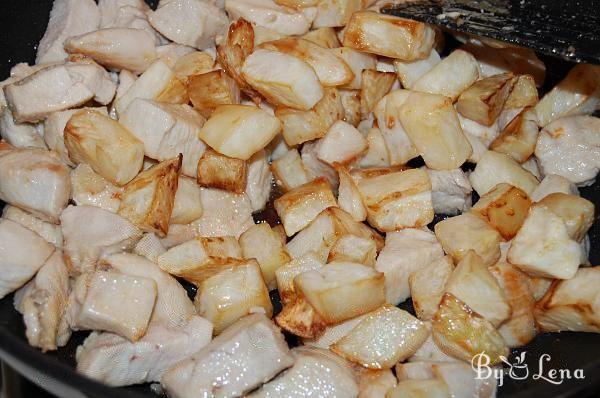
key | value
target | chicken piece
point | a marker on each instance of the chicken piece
(43, 302)
(149, 246)
(377, 153)
(268, 14)
(171, 53)
(450, 191)
(283, 79)
(494, 168)
(315, 167)
(102, 233)
(54, 129)
(333, 333)
(331, 13)
(383, 338)
(286, 273)
(166, 131)
(247, 354)
(23, 253)
(173, 307)
(432, 125)
(484, 100)
(300, 318)
(577, 213)
(405, 251)
(116, 48)
(374, 85)
(543, 247)
(222, 172)
(374, 383)
(427, 284)
(94, 76)
(314, 372)
(479, 136)
(194, 63)
(349, 198)
(553, 183)
(239, 131)
(458, 235)
(388, 36)
(67, 18)
(52, 233)
(298, 207)
(289, 170)
(570, 147)
(453, 75)
(340, 291)
(352, 248)
(194, 23)
(352, 105)
(518, 138)
(224, 214)
(19, 135)
(211, 89)
(571, 305)
(462, 381)
(428, 352)
(357, 61)
(472, 283)
(341, 144)
(116, 361)
(520, 328)
(187, 205)
(103, 143)
(118, 303)
(463, 333)
(397, 200)
(89, 188)
(259, 181)
(577, 94)
(324, 37)
(262, 243)
(409, 72)
(34, 180)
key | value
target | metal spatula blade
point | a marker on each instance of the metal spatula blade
(568, 29)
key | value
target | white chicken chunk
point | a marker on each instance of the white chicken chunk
(43, 303)
(259, 180)
(187, 206)
(90, 188)
(405, 251)
(479, 136)
(22, 254)
(553, 183)
(19, 135)
(116, 361)
(342, 144)
(150, 247)
(118, 303)
(67, 18)
(35, 180)
(570, 147)
(194, 23)
(116, 48)
(270, 15)
(52, 233)
(247, 354)
(167, 130)
(316, 168)
(450, 191)
(224, 214)
(128, 14)
(409, 72)
(314, 373)
(102, 233)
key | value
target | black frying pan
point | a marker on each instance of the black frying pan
(23, 23)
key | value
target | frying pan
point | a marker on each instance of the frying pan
(23, 23)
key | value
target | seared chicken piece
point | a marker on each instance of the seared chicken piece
(553, 183)
(22, 254)
(173, 307)
(518, 138)
(571, 304)
(233, 293)
(388, 36)
(354, 249)
(194, 23)
(384, 337)
(43, 302)
(247, 354)
(570, 147)
(211, 89)
(450, 191)
(67, 18)
(314, 373)
(166, 131)
(194, 63)
(349, 198)
(52, 233)
(333, 333)
(150, 247)
(484, 100)
(95, 77)
(342, 144)
(102, 233)
(118, 303)
(19, 135)
(479, 136)
(171, 53)
(286, 273)
(352, 105)
(315, 167)
(116, 361)
(374, 85)
(224, 214)
(357, 61)
(36, 181)
(494, 168)
(116, 48)
(324, 37)
(259, 180)
(427, 285)
(90, 188)
(268, 14)
(409, 72)
(187, 206)
(577, 213)
(405, 251)
(222, 172)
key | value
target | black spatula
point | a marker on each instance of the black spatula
(568, 29)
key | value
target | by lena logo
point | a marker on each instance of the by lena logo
(519, 370)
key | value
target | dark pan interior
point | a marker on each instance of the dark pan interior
(23, 23)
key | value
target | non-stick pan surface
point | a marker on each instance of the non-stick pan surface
(22, 24)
